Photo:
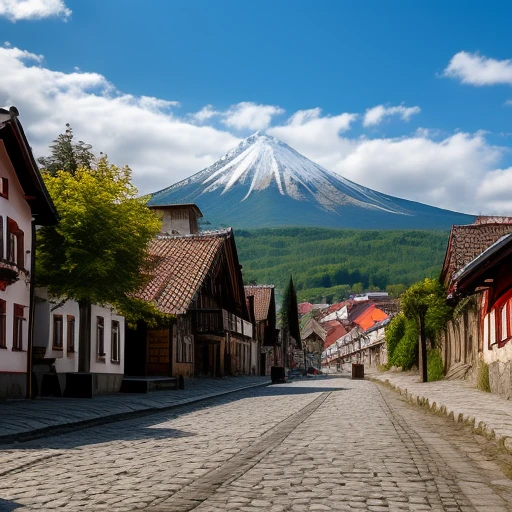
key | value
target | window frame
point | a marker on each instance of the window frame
(15, 250)
(100, 338)
(70, 334)
(115, 341)
(17, 334)
(4, 188)
(3, 323)
(58, 332)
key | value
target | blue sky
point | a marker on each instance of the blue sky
(407, 98)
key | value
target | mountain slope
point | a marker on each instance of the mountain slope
(263, 182)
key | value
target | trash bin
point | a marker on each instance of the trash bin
(357, 371)
(277, 374)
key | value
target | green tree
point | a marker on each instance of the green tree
(67, 155)
(97, 253)
(290, 312)
(425, 303)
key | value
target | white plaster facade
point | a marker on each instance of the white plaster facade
(57, 342)
(13, 361)
(111, 320)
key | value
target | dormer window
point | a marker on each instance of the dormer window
(4, 188)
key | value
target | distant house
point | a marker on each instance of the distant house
(462, 343)
(197, 278)
(266, 333)
(57, 348)
(362, 338)
(24, 203)
(313, 336)
(485, 323)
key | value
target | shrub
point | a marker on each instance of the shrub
(482, 379)
(435, 368)
(405, 354)
(395, 331)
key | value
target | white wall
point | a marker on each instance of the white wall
(495, 354)
(64, 361)
(15, 207)
(105, 364)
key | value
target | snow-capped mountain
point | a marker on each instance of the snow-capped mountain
(264, 182)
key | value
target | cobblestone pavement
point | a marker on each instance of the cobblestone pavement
(31, 418)
(487, 413)
(312, 445)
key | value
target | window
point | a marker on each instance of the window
(3, 340)
(71, 333)
(15, 244)
(1, 237)
(100, 336)
(4, 188)
(115, 342)
(58, 332)
(17, 342)
(185, 349)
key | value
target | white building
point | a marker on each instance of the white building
(57, 347)
(24, 203)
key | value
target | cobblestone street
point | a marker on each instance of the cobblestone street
(310, 445)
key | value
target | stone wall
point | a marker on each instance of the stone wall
(500, 378)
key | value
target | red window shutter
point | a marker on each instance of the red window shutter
(18, 310)
(2, 307)
(21, 249)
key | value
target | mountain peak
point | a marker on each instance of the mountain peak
(264, 172)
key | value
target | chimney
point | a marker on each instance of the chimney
(179, 219)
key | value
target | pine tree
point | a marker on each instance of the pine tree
(66, 155)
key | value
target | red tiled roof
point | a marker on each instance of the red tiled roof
(467, 242)
(262, 296)
(304, 308)
(336, 331)
(182, 263)
(370, 317)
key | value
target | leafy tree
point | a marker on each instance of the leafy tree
(97, 253)
(425, 303)
(67, 155)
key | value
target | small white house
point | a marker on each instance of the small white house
(24, 203)
(57, 346)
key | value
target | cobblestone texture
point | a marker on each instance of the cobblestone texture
(487, 413)
(326, 444)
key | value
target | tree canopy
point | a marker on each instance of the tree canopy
(97, 253)
(428, 296)
(67, 155)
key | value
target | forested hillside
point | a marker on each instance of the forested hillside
(337, 262)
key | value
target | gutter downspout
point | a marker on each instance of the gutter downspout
(31, 308)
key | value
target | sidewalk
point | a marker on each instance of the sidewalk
(21, 420)
(486, 413)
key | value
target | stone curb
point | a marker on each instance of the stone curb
(482, 428)
(38, 433)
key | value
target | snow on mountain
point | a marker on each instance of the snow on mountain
(261, 161)
(262, 170)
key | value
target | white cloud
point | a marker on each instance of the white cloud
(312, 131)
(248, 115)
(16, 10)
(139, 131)
(376, 115)
(205, 114)
(475, 69)
(460, 171)
(508, 102)
(444, 172)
